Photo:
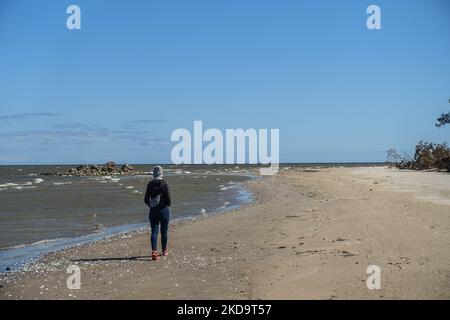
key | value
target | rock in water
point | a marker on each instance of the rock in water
(111, 166)
(127, 168)
(107, 169)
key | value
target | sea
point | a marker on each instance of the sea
(44, 213)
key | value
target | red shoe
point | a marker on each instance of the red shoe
(165, 253)
(155, 255)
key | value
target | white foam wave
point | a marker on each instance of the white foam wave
(9, 184)
(17, 186)
(37, 243)
(61, 183)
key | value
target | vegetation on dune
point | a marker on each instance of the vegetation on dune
(427, 155)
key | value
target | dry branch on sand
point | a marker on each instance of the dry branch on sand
(427, 156)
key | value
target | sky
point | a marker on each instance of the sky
(137, 70)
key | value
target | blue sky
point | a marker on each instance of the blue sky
(137, 70)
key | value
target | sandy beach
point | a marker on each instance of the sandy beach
(309, 234)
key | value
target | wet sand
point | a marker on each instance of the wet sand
(310, 234)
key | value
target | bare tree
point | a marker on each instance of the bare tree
(393, 157)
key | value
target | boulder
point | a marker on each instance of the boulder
(110, 166)
(127, 168)
(95, 168)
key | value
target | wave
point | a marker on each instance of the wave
(37, 243)
(16, 186)
(9, 184)
(61, 183)
(98, 228)
(229, 186)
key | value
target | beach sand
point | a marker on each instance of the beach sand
(309, 234)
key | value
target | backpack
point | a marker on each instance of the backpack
(155, 201)
(158, 187)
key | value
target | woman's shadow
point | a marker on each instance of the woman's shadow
(136, 258)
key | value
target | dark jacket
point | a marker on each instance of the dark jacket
(154, 188)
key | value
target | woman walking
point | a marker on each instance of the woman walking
(157, 197)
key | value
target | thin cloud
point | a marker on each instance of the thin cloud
(81, 133)
(77, 126)
(142, 122)
(26, 116)
(48, 136)
(145, 121)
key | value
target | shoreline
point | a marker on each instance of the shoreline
(20, 257)
(309, 234)
(50, 261)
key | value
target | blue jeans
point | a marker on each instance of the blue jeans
(159, 217)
